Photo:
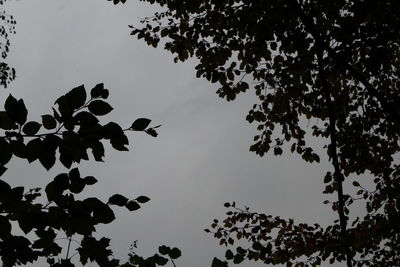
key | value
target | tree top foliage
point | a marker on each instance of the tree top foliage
(326, 68)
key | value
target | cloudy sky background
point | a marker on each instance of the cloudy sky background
(201, 158)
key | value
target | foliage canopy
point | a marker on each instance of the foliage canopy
(334, 64)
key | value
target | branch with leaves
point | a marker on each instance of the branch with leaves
(68, 134)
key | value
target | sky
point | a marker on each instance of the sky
(199, 161)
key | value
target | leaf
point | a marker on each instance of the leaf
(164, 250)
(238, 259)
(175, 253)
(6, 122)
(151, 132)
(99, 107)
(31, 128)
(2, 170)
(102, 213)
(49, 122)
(278, 151)
(16, 109)
(34, 149)
(218, 263)
(98, 151)
(140, 124)
(142, 199)
(97, 90)
(5, 188)
(132, 205)
(328, 177)
(90, 180)
(76, 97)
(118, 200)
(76, 185)
(18, 148)
(5, 152)
(229, 254)
(47, 157)
(86, 118)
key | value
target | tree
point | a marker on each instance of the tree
(69, 133)
(334, 64)
(58, 216)
(7, 27)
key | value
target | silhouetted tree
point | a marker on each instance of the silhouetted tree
(333, 63)
(7, 27)
(67, 134)
(56, 216)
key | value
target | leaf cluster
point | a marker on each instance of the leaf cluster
(166, 255)
(67, 134)
(329, 69)
(7, 27)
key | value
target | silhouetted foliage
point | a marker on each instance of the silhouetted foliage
(7, 27)
(167, 255)
(69, 134)
(334, 64)
(57, 216)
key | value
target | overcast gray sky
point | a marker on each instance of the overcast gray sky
(201, 158)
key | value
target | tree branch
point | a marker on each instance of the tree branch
(312, 29)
